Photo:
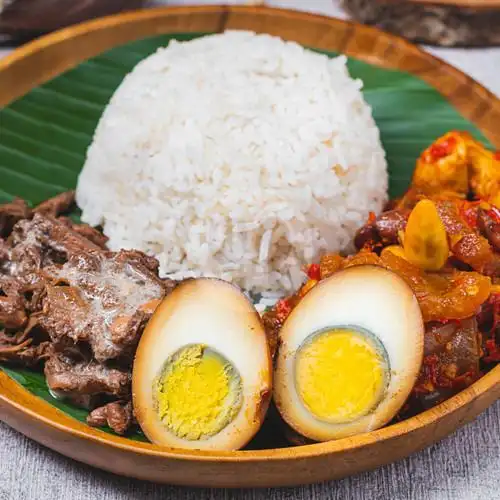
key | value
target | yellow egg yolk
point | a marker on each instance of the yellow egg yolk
(198, 394)
(341, 374)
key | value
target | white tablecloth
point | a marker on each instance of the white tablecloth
(465, 466)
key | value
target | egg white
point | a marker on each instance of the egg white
(217, 314)
(369, 297)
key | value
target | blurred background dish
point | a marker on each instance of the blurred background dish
(448, 23)
(21, 18)
(441, 22)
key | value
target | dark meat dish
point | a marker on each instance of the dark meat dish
(74, 307)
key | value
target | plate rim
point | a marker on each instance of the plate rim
(78, 429)
(426, 66)
(15, 400)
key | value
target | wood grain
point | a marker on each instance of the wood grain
(47, 57)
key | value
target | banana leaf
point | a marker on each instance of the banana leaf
(45, 134)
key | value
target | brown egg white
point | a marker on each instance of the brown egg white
(350, 354)
(202, 376)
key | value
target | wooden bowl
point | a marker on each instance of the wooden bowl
(47, 57)
(440, 22)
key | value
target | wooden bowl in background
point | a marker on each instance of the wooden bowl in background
(48, 57)
(23, 17)
(441, 22)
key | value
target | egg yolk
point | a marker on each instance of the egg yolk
(198, 394)
(341, 374)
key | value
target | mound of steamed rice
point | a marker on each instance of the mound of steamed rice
(237, 155)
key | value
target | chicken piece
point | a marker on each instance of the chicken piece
(446, 295)
(329, 264)
(467, 244)
(443, 166)
(484, 173)
(411, 197)
(456, 165)
(488, 222)
(451, 361)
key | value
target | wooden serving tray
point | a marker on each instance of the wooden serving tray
(49, 56)
(440, 22)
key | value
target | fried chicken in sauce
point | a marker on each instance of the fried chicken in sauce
(451, 209)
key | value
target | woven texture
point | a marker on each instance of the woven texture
(465, 466)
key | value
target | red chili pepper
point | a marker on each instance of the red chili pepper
(497, 156)
(314, 272)
(431, 362)
(447, 321)
(283, 309)
(429, 375)
(465, 379)
(494, 213)
(468, 211)
(442, 149)
(493, 351)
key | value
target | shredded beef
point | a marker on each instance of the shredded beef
(118, 415)
(69, 303)
(11, 213)
(57, 205)
(81, 377)
(86, 231)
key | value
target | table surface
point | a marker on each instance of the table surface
(465, 466)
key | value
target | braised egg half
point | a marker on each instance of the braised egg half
(350, 354)
(202, 373)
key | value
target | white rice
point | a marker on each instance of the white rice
(237, 155)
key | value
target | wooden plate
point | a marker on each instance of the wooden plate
(47, 57)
